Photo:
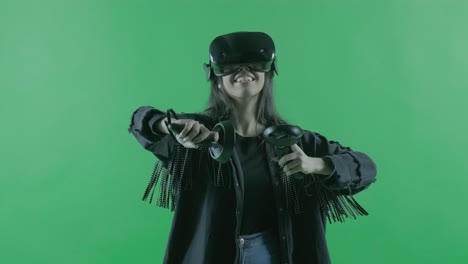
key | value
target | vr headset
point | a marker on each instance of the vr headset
(253, 49)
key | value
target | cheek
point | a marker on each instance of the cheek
(261, 77)
(261, 81)
(226, 80)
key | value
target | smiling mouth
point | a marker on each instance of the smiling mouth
(244, 79)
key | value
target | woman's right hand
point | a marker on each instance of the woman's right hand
(194, 132)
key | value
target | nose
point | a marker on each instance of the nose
(247, 68)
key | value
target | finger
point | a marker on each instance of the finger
(189, 145)
(295, 147)
(284, 159)
(291, 164)
(194, 132)
(215, 135)
(295, 169)
(204, 133)
(287, 158)
(187, 128)
(183, 143)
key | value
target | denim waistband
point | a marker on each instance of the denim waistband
(257, 238)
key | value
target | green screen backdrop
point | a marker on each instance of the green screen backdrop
(387, 78)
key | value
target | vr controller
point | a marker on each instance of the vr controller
(281, 137)
(219, 152)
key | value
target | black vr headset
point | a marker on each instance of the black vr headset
(253, 49)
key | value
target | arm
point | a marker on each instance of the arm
(351, 171)
(176, 164)
(144, 127)
(147, 127)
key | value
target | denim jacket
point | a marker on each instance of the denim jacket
(207, 197)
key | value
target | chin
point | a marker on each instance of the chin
(249, 92)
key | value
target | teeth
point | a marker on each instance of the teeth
(244, 79)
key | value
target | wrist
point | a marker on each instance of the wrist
(322, 166)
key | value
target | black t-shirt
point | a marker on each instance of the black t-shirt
(259, 204)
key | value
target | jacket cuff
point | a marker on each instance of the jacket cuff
(339, 178)
(153, 123)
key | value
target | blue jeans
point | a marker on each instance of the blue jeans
(259, 248)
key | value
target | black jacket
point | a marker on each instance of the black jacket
(206, 196)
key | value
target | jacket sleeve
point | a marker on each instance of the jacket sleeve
(165, 175)
(352, 171)
(143, 127)
(175, 165)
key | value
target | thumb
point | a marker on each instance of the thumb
(177, 121)
(295, 147)
(216, 135)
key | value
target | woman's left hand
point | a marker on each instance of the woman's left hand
(298, 161)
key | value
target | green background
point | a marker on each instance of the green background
(387, 78)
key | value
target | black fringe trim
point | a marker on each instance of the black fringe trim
(180, 170)
(165, 178)
(335, 205)
(292, 189)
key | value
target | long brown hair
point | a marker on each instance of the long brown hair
(221, 106)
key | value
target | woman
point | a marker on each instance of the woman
(249, 210)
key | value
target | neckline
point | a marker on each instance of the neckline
(248, 137)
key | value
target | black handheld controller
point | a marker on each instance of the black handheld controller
(282, 137)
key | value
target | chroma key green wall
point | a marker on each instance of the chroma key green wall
(384, 77)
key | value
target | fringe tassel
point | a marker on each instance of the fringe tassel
(160, 174)
(180, 167)
(220, 173)
(336, 205)
(293, 189)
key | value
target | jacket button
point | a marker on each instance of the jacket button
(281, 209)
(241, 241)
(284, 237)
